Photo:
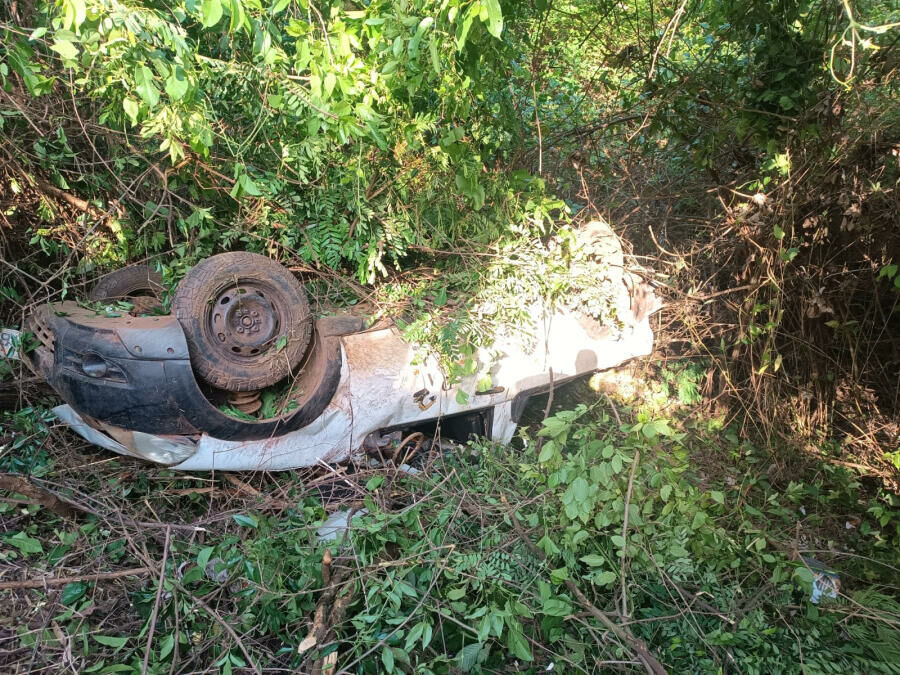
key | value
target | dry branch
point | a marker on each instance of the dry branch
(60, 581)
(21, 485)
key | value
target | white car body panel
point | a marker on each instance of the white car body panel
(382, 387)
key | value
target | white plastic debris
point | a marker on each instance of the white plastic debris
(336, 523)
(826, 583)
(9, 344)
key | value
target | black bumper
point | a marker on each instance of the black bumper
(134, 373)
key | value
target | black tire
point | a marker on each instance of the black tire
(134, 280)
(246, 319)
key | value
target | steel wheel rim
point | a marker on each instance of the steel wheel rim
(242, 321)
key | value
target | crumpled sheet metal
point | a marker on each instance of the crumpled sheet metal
(159, 449)
(381, 387)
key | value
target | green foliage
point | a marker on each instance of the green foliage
(707, 562)
(22, 446)
(691, 541)
(306, 112)
(686, 379)
(442, 152)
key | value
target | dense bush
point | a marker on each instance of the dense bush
(344, 135)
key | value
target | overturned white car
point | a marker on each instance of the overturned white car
(176, 389)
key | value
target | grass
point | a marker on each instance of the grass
(492, 559)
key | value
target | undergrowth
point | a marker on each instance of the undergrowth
(490, 558)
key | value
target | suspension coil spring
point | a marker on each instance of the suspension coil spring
(247, 402)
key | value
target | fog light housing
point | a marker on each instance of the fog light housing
(93, 365)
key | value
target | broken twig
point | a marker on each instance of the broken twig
(159, 588)
(634, 464)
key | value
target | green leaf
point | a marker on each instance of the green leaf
(387, 658)
(616, 463)
(461, 397)
(468, 657)
(605, 578)
(72, 592)
(414, 634)
(495, 17)
(484, 383)
(548, 546)
(211, 11)
(778, 232)
(204, 556)
(556, 606)
(131, 108)
(655, 428)
(193, 575)
(456, 593)
(889, 271)
(146, 89)
(805, 576)
(328, 83)
(281, 344)
(176, 84)
(518, 645)
(238, 18)
(594, 560)
(110, 641)
(435, 58)
(665, 492)
(250, 188)
(547, 452)
(245, 521)
(65, 49)
(580, 489)
(74, 14)
(462, 31)
(717, 497)
(559, 575)
(790, 254)
(25, 543)
(166, 646)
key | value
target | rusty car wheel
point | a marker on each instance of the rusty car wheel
(131, 281)
(246, 319)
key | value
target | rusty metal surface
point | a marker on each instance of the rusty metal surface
(248, 402)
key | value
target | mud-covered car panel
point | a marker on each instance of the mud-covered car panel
(134, 373)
